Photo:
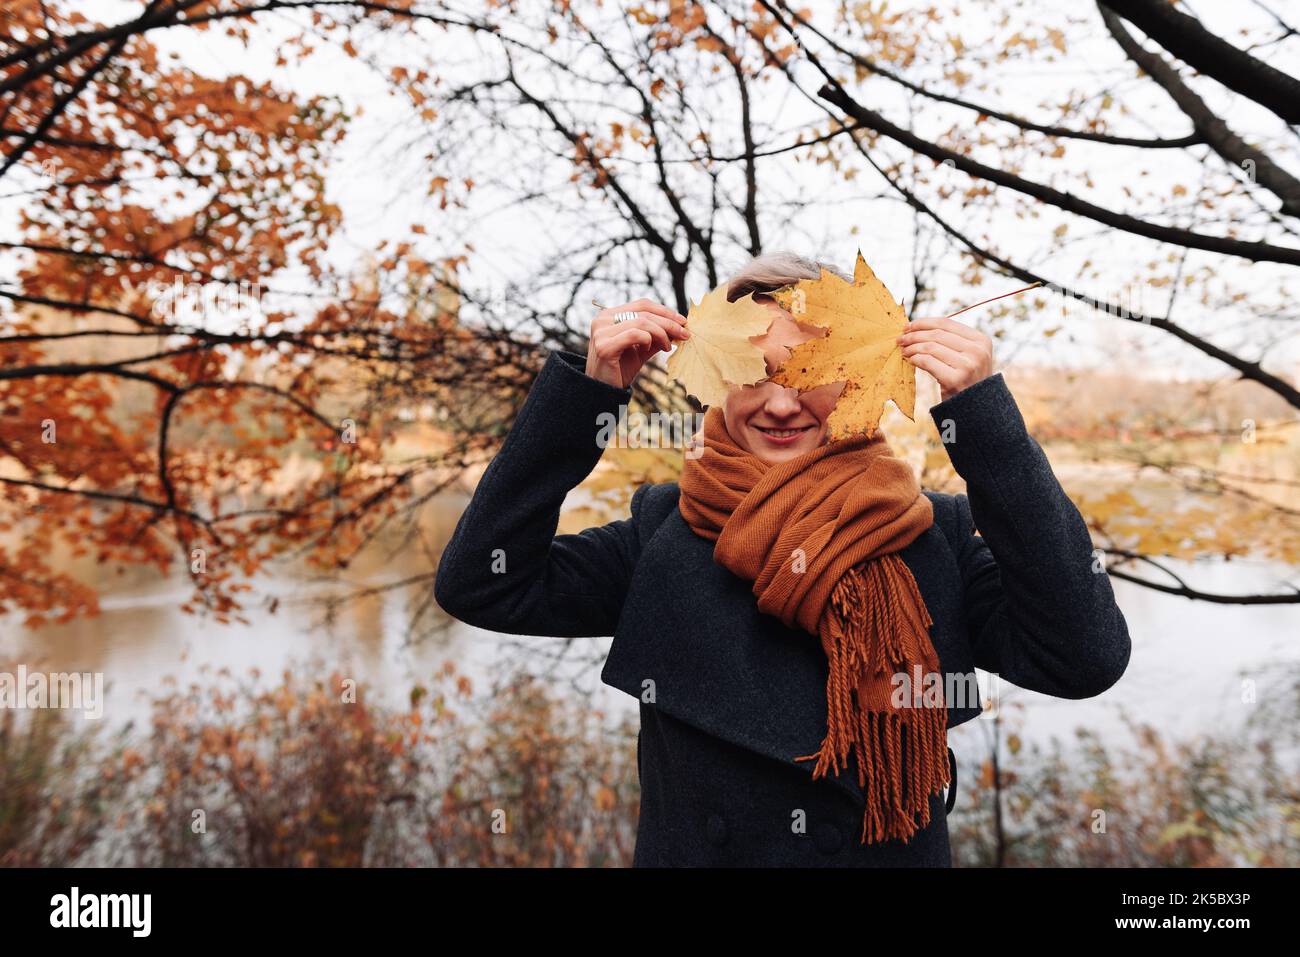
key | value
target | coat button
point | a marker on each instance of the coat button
(828, 838)
(716, 830)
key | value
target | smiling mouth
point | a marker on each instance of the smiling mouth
(783, 433)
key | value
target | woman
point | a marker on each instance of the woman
(798, 620)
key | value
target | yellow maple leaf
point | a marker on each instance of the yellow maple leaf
(719, 353)
(862, 321)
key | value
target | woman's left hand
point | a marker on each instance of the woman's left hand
(954, 353)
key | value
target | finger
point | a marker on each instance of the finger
(650, 321)
(948, 377)
(658, 338)
(658, 308)
(614, 345)
(955, 358)
(674, 328)
(944, 336)
(659, 333)
(942, 322)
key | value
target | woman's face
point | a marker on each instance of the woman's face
(774, 422)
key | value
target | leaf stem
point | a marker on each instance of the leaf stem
(994, 299)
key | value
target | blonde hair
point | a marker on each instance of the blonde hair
(771, 271)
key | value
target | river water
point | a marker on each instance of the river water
(1190, 659)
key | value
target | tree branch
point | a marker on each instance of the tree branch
(1254, 251)
(1216, 133)
(1187, 39)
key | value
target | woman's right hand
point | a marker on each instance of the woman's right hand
(617, 351)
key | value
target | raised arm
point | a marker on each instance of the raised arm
(504, 568)
(1038, 603)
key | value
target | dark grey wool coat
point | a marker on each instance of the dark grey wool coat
(728, 695)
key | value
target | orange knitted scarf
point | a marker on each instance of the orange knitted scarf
(819, 537)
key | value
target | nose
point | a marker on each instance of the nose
(782, 402)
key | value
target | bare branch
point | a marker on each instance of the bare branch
(1187, 39)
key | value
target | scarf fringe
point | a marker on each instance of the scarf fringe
(873, 631)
